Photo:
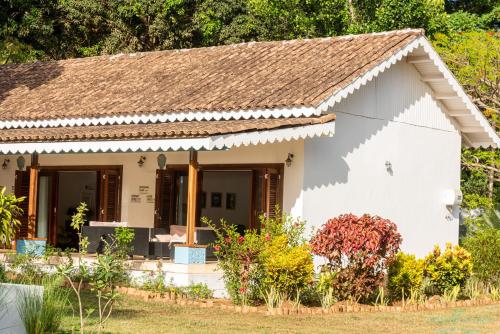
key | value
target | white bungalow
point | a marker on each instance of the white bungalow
(363, 124)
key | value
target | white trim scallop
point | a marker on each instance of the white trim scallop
(166, 117)
(207, 143)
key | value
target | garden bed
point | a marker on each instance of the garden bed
(340, 307)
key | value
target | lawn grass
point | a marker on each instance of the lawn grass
(137, 316)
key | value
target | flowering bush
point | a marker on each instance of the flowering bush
(358, 250)
(406, 275)
(449, 268)
(275, 258)
(238, 257)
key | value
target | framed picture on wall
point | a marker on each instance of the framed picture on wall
(203, 200)
(231, 201)
(216, 200)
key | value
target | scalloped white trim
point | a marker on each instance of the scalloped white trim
(167, 117)
(208, 143)
(368, 76)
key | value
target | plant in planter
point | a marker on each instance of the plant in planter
(9, 212)
(358, 251)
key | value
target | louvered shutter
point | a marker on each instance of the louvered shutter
(164, 201)
(110, 195)
(22, 189)
(273, 191)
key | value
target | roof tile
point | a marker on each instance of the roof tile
(261, 75)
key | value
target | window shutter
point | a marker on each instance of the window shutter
(110, 194)
(164, 201)
(21, 189)
(273, 191)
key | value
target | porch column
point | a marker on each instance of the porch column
(192, 196)
(33, 192)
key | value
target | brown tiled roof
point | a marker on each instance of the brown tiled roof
(193, 129)
(242, 76)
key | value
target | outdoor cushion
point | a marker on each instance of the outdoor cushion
(163, 237)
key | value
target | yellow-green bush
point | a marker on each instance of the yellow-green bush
(449, 268)
(406, 274)
(287, 268)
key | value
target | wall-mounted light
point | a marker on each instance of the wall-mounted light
(20, 162)
(161, 160)
(5, 163)
(388, 167)
(289, 160)
(141, 161)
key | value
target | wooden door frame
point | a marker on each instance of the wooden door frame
(53, 171)
(260, 167)
(52, 203)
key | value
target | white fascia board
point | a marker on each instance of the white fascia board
(441, 66)
(166, 117)
(164, 145)
(458, 89)
(272, 136)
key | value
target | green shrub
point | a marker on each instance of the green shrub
(484, 246)
(123, 241)
(447, 269)
(325, 288)
(198, 291)
(288, 269)
(406, 275)
(3, 276)
(9, 212)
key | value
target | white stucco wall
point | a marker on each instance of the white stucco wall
(394, 119)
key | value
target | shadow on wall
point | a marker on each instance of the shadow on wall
(13, 76)
(351, 132)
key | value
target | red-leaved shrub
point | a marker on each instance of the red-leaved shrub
(358, 250)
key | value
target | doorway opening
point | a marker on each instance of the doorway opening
(227, 195)
(238, 194)
(61, 190)
(73, 187)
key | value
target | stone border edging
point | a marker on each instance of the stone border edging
(183, 300)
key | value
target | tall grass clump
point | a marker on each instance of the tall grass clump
(42, 312)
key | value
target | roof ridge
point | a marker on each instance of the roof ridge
(112, 57)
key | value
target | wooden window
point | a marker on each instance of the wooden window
(109, 194)
(273, 191)
(165, 199)
(21, 189)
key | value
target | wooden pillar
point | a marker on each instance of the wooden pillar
(33, 192)
(192, 196)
